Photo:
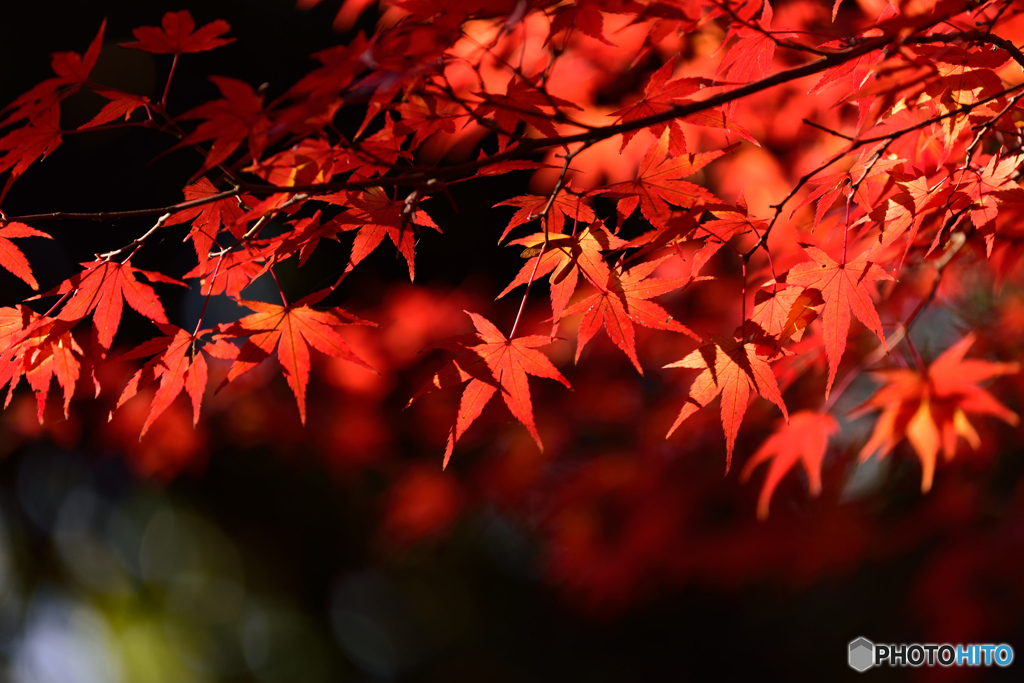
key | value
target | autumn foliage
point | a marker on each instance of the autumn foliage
(760, 208)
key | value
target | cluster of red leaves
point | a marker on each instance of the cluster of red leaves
(761, 236)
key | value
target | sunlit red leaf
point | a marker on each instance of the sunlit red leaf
(732, 370)
(291, 330)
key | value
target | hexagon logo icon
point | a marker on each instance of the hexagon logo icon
(862, 654)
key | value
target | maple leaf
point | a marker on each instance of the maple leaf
(522, 101)
(803, 439)
(102, 288)
(728, 223)
(178, 364)
(375, 216)
(662, 95)
(25, 145)
(11, 258)
(659, 182)
(930, 409)
(831, 187)
(232, 272)
(584, 16)
(291, 330)
(177, 35)
(750, 57)
(229, 121)
(844, 287)
(565, 257)
(988, 188)
(121, 105)
(732, 370)
(71, 69)
(565, 206)
(305, 236)
(906, 210)
(40, 348)
(786, 312)
(493, 363)
(622, 302)
(208, 220)
(310, 161)
(382, 150)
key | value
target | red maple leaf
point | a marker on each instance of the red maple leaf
(659, 182)
(728, 223)
(622, 302)
(803, 439)
(235, 118)
(291, 330)
(11, 257)
(785, 313)
(232, 272)
(304, 237)
(102, 288)
(23, 146)
(375, 216)
(930, 409)
(177, 35)
(732, 370)
(584, 16)
(524, 102)
(40, 348)
(121, 104)
(660, 96)
(565, 206)
(565, 257)
(493, 363)
(72, 71)
(750, 57)
(208, 220)
(845, 289)
(178, 364)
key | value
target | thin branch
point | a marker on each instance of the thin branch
(134, 245)
(133, 213)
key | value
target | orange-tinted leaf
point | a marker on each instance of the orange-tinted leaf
(624, 301)
(845, 289)
(931, 410)
(565, 257)
(732, 370)
(803, 439)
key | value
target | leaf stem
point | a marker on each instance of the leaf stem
(167, 86)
